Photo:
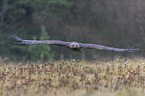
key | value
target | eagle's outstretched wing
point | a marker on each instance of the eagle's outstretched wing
(54, 42)
(71, 45)
(95, 46)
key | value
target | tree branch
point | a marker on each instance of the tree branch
(3, 12)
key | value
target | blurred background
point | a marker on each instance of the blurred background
(115, 23)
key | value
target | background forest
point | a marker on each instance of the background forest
(116, 23)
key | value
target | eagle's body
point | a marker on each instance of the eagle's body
(71, 45)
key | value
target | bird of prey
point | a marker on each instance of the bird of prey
(71, 45)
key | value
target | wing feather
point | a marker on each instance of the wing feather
(63, 43)
(95, 46)
(54, 42)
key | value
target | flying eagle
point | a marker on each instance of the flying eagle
(71, 45)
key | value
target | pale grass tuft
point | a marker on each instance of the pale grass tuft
(119, 77)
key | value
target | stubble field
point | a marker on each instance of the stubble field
(119, 77)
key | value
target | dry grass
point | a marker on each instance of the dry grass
(123, 77)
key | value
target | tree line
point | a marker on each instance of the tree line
(113, 23)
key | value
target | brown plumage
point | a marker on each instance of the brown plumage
(71, 45)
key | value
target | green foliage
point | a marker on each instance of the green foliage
(113, 23)
(41, 51)
(54, 8)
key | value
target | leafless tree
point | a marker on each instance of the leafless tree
(3, 12)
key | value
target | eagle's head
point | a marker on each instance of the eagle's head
(74, 45)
